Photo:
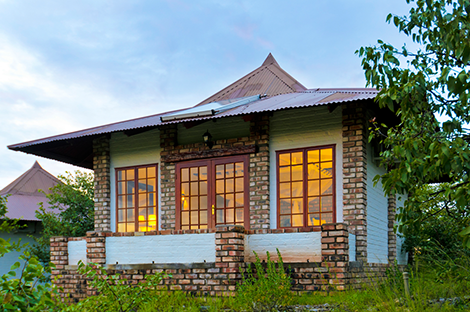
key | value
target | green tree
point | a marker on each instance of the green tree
(73, 211)
(433, 79)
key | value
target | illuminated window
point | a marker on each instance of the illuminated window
(136, 192)
(212, 192)
(306, 187)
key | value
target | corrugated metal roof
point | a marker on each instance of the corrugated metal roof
(24, 195)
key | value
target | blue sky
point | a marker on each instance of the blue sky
(70, 65)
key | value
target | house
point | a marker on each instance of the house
(264, 163)
(23, 201)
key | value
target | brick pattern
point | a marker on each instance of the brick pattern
(101, 167)
(392, 237)
(259, 173)
(59, 251)
(335, 254)
(355, 175)
(96, 247)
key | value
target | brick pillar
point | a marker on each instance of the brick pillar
(259, 173)
(101, 168)
(60, 258)
(355, 175)
(168, 142)
(229, 256)
(335, 254)
(392, 237)
(96, 247)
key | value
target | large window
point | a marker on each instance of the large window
(212, 192)
(136, 192)
(306, 187)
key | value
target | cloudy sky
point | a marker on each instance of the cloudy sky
(70, 65)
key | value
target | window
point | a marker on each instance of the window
(136, 191)
(306, 187)
(212, 192)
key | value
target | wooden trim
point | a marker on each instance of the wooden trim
(229, 151)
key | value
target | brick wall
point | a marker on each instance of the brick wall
(335, 254)
(101, 167)
(355, 175)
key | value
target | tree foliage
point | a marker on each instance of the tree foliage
(434, 79)
(73, 211)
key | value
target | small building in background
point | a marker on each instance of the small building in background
(23, 201)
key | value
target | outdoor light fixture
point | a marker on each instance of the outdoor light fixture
(208, 139)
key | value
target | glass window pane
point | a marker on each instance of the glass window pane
(219, 201)
(202, 173)
(327, 218)
(297, 220)
(194, 176)
(239, 184)
(121, 188)
(151, 199)
(327, 203)
(219, 171)
(284, 174)
(194, 217)
(297, 158)
(130, 227)
(120, 175)
(194, 227)
(220, 218)
(313, 219)
(184, 189)
(142, 173)
(151, 185)
(229, 170)
(285, 206)
(230, 213)
(194, 188)
(313, 171)
(130, 187)
(130, 215)
(130, 174)
(121, 216)
(284, 190)
(194, 203)
(239, 200)
(314, 204)
(121, 227)
(285, 221)
(142, 200)
(184, 174)
(239, 215)
(184, 203)
(203, 217)
(121, 201)
(297, 173)
(203, 188)
(185, 227)
(143, 185)
(151, 211)
(327, 170)
(313, 156)
(239, 169)
(203, 202)
(185, 217)
(327, 187)
(229, 186)
(297, 205)
(314, 188)
(130, 201)
(284, 159)
(219, 186)
(143, 227)
(327, 154)
(297, 189)
(142, 214)
(151, 172)
(229, 202)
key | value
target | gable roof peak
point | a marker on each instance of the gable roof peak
(270, 60)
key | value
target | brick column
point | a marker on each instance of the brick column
(335, 254)
(96, 247)
(101, 168)
(259, 173)
(59, 252)
(168, 142)
(355, 175)
(229, 256)
(392, 237)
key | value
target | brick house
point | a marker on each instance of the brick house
(264, 163)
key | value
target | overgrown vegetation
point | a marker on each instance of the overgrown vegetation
(73, 215)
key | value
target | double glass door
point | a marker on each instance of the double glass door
(212, 192)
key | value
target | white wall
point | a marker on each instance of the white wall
(352, 247)
(140, 149)
(402, 257)
(185, 248)
(294, 247)
(377, 214)
(306, 127)
(77, 252)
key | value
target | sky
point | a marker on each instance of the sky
(71, 65)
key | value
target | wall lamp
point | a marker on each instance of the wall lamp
(208, 139)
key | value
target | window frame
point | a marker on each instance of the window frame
(211, 189)
(136, 197)
(305, 180)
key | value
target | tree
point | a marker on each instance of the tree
(73, 203)
(418, 85)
